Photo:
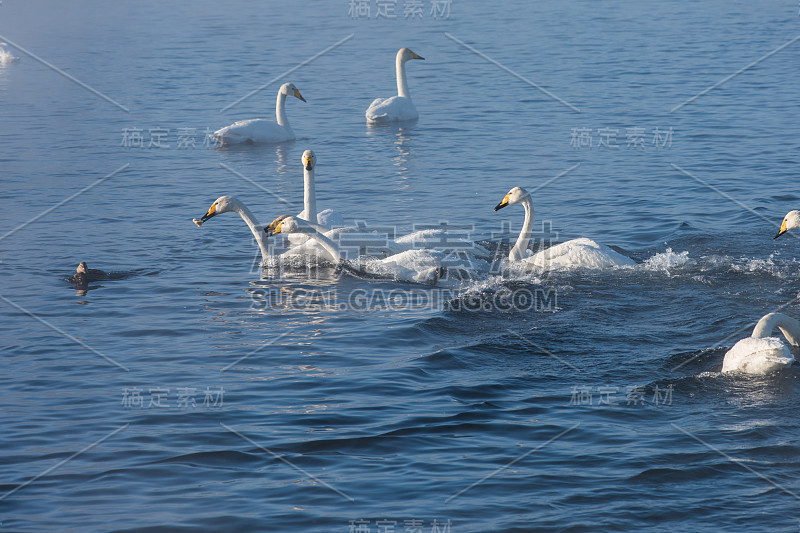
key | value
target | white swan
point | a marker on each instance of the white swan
(6, 57)
(259, 130)
(225, 204)
(575, 253)
(400, 107)
(761, 353)
(327, 218)
(790, 221)
(419, 266)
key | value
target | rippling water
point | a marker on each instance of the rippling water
(199, 393)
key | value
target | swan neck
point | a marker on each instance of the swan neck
(327, 244)
(402, 83)
(255, 228)
(309, 197)
(788, 326)
(280, 111)
(518, 252)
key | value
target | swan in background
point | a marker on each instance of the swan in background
(225, 204)
(259, 130)
(790, 221)
(575, 253)
(416, 265)
(400, 107)
(761, 353)
(6, 57)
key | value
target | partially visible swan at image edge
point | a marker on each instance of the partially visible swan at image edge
(400, 107)
(761, 353)
(6, 57)
(575, 253)
(415, 265)
(790, 221)
(259, 130)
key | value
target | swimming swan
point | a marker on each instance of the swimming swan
(790, 221)
(327, 218)
(225, 204)
(400, 107)
(761, 353)
(575, 253)
(259, 130)
(420, 266)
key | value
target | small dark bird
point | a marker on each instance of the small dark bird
(84, 275)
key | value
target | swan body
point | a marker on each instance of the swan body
(6, 57)
(416, 265)
(397, 108)
(790, 221)
(584, 253)
(761, 353)
(259, 130)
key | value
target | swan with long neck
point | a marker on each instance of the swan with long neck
(575, 253)
(415, 265)
(762, 353)
(400, 107)
(259, 130)
(225, 204)
(321, 220)
(790, 221)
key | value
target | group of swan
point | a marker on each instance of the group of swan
(314, 233)
(261, 131)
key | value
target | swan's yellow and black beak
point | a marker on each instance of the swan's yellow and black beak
(308, 162)
(416, 56)
(275, 226)
(782, 230)
(502, 204)
(298, 95)
(212, 211)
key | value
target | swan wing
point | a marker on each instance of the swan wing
(256, 130)
(579, 253)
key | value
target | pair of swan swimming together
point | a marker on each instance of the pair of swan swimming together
(261, 131)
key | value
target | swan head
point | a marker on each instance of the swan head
(270, 230)
(223, 204)
(790, 221)
(309, 160)
(290, 90)
(286, 224)
(405, 54)
(514, 196)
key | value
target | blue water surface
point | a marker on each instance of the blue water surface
(198, 392)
